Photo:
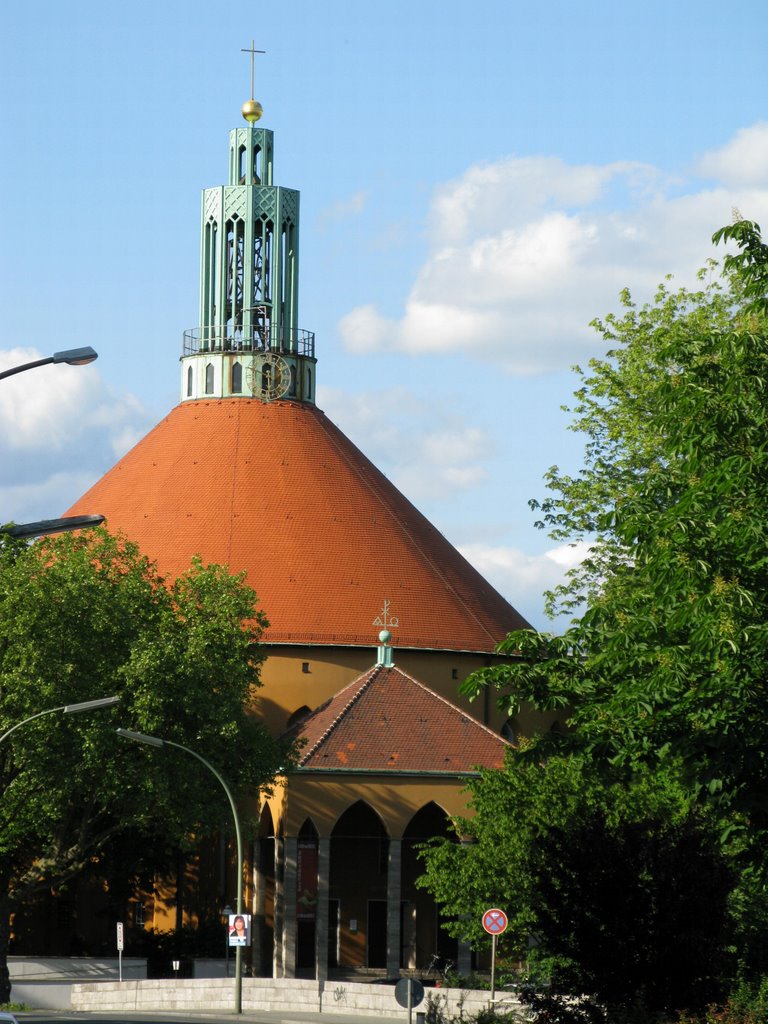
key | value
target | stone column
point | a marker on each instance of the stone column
(290, 858)
(277, 948)
(321, 916)
(258, 909)
(464, 962)
(394, 890)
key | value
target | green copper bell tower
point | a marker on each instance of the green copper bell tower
(248, 344)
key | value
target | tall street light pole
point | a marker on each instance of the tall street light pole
(154, 741)
(67, 709)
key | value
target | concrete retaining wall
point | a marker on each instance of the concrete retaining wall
(217, 994)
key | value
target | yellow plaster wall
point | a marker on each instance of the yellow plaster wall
(288, 687)
(324, 798)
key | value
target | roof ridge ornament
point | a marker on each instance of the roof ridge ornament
(385, 620)
(384, 657)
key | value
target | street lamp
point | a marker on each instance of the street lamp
(72, 356)
(46, 527)
(67, 709)
(154, 741)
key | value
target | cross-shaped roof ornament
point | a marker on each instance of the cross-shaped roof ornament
(253, 51)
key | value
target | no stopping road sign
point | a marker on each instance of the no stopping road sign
(495, 921)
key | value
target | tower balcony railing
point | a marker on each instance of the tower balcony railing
(219, 338)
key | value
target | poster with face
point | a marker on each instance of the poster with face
(239, 929)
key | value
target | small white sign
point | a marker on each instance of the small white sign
(120, 946)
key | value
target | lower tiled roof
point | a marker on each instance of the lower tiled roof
(387, 721)
(279, 491)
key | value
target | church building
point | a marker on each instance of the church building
(375, 618)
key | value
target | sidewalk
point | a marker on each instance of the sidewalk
(285, 1016)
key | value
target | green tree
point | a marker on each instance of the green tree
(85, 616)
(623, 885)
(662, 672)
(667, 657)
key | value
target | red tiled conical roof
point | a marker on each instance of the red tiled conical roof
(278, 490)
(388, 721)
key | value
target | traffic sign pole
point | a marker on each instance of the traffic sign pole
(494, 922)
(409, 992)
(120, 944)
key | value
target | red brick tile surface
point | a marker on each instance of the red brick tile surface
(277, 489)
(388, 721)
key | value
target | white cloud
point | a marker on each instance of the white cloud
(526, 251)
(60, 429)
(742, 161)
(427, 450)
(43, 499)
(524, 578)
(514, 187)
(365, 330)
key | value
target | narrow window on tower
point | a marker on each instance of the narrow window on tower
(241, 165)
(283, 288)
(209, 379)
(189, 382)
(289, 284)
(257, 165)
(210, 269)
(309, 386)
(292, 385)
(258, 260)
(230, 272)
(237, 379)
(268, 234)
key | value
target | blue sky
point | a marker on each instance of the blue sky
(478, 182)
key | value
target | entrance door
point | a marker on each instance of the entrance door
(377, 933)
(305, 945)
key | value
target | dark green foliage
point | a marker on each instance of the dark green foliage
(661, 677)
(622, 884)
(634, 912)
(86, 616)
(668, 656)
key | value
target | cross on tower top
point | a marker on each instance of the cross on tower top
(253, 51)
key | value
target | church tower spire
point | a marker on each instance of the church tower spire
(248, 344)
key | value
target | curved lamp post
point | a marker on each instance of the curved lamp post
(67, 709)
(72, 356)
(154, 741)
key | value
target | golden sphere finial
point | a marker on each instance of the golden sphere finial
(252, 111)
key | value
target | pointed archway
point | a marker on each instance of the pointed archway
(263, 930)
(358, 876)
(306, 898)
(424, 942)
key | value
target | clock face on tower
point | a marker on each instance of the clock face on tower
(268, 376)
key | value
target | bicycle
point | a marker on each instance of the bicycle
(438, 970)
